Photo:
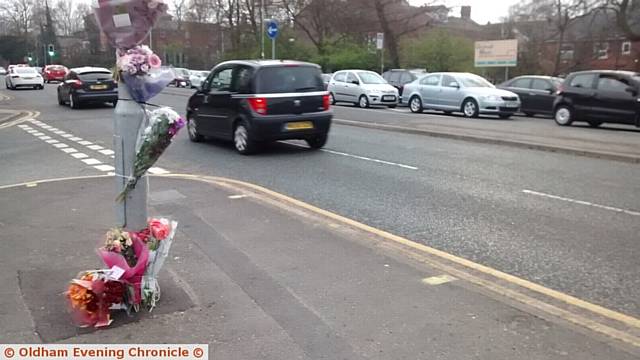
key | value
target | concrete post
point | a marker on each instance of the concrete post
(128, 117)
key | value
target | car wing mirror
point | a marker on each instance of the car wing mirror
(454, 85)
(550, 90)
(355, 82)
(633, 91)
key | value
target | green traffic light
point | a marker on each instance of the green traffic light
(51, 53)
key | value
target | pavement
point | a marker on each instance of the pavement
(259, 275)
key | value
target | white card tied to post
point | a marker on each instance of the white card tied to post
(121, 16)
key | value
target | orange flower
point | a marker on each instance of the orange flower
(81, 297)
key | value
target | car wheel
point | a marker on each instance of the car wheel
(41, 87)
(470, 108)
(563, 115)
(594, 123)
(415, 104)
(391, 106)
(114, 103)
(242, 139)
(332, 100)
(529, 114)
(363, 102)
(60, 100)
(192, 129)
(504, 116)
(317, 141)
(73, 102)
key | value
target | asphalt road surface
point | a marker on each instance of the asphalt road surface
(568, 222)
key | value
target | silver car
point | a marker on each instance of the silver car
(467, 93)
(197, 77)
(363, 88)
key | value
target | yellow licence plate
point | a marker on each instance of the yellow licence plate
(299, 125)
(98, 87)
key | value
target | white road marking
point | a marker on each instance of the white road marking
(52, 141)
(54, 129)
(32, 131)
(91, 161)
(581, 202)
(104, 167)
(358, 157)
(80, 155)
(234, 197)
(69, 150)
(95, 147)
(438, 280)
(67, 135)
(106, 152)
(44, 137)
(59, 132)
(75, 138)
(46, 127)
(37, 133)
(23, 126)
(158, 171)
(85, 142)
(61, 145)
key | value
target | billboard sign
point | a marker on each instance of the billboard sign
(497, 53)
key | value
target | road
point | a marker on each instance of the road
(568, 222)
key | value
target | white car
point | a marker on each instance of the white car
(23, 77)
(361, 87)
(197, 77)
(3, 71)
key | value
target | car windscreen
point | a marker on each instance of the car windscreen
(24, 70)
(474, 81)
(95, 76)
(284, 79)
(371, 78)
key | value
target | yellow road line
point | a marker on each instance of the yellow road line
(30, 115)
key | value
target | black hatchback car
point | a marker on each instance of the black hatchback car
(398, 78)
(537, 93)
(256, 101)
(599, 96)
(87, 84)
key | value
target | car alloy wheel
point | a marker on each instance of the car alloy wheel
(563, 116)
(72, 102)
(192, 129)
(415, 104)
(363, 102)
(242, 139)
(470, 108)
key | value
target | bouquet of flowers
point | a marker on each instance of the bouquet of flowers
(141, 71)
(164, 124)
(158, 236)
(129, 255)
(91, 295)
(127, 22)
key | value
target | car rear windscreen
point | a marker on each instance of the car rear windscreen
(24, 70)
(285, 79)
(94, 76)
(55, 68)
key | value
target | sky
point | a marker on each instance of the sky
(482, 11)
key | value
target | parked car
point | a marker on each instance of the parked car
(182, 78)
(400, 77)
(362, 88)
(599, 96)
(54, 73)
(87, 85)
(23, 77)
(467, 93)
(3, 71)
(256, 101)
(537, 93)
(325, 80)
(197, 77)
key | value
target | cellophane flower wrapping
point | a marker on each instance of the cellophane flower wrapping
(126, 23)
(133, 272)
(164, 124)
(91, 295)
(159, 239)
(144, 87)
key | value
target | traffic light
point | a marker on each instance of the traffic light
(51, 50)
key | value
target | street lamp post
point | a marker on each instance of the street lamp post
(131, 213)
(262, 29)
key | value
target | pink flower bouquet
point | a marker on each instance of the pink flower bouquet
(127, 22)
(140, 69)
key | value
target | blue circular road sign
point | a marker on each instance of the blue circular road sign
(272, 29)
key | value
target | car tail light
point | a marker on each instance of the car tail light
(326, 104)
(76, 84)
(258, 105)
